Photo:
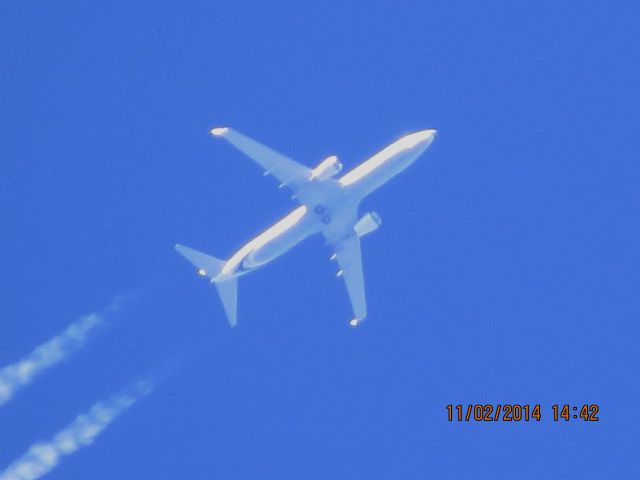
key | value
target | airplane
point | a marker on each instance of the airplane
(328, 205)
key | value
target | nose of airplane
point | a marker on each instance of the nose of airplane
(426, 136)
(422, 138)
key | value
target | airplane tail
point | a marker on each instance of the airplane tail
(228, 292)
(209, 267)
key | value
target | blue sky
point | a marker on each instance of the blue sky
(505, 270)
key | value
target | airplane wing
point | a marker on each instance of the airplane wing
(290, 173)
(347, 253)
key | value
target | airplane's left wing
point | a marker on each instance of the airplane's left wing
(290, 173)
(349, 257)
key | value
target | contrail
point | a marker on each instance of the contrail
(42, 457)
(16, 376)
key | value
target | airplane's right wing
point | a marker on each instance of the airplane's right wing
(349, 258)
(290, 173)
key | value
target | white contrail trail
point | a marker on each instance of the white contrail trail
(14, 377)
(42, 457)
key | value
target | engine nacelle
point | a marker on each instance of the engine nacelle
(368, 223)
(327, 168)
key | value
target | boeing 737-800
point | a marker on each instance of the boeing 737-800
(328, 205)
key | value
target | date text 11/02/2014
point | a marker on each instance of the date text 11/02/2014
(513, 412)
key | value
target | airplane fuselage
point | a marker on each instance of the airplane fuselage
(332, 211)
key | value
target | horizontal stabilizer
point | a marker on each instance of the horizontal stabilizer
(228, 291)
(207, 265)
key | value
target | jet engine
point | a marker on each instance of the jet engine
(327, 168)
(368, 223)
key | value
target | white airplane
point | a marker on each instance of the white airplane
(328, 206)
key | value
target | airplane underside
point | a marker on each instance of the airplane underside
(328, 206)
